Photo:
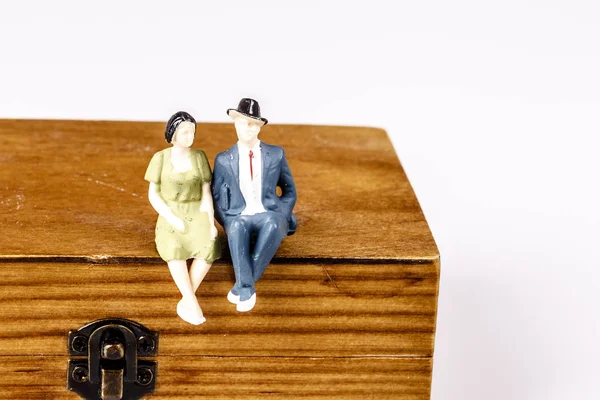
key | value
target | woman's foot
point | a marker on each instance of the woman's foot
(192, 315)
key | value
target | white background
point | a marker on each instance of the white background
(492, 106)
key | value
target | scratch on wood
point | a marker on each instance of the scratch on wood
(111, 186)
(331, 279)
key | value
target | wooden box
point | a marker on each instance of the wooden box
(346, 310)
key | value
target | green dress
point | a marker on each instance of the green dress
(182, 191)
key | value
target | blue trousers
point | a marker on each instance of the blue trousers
(253, 241)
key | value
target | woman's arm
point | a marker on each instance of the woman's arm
(206, 205)
(162, 208)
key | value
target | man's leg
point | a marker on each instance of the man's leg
(272, 227)
(238, 236)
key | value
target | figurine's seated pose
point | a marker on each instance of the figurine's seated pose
(244, 188)
(180, 193)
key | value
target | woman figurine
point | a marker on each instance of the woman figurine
(180, 193)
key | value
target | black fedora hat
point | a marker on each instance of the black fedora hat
(248, 108)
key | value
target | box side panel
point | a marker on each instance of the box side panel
(186, 378)
(302, 309)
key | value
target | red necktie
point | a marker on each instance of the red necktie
(251, 173)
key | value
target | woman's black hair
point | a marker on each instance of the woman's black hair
(174, 121)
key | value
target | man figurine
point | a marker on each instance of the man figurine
(255, 218)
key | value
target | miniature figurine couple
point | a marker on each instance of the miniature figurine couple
(242, 193)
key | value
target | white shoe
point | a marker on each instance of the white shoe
(246, 305)
(189, 316)
(233, 298)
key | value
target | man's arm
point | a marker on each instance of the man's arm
(217, 184)
(288, 191)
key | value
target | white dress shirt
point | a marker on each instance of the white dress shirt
(251, 186)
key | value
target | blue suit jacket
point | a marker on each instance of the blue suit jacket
(228, 199)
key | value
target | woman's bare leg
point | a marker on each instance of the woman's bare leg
(188, 308)
(198, 271)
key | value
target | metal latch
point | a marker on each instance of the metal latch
(108, 364)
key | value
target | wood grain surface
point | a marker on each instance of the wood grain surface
(188, 378)
(347, 310)
(310, 310)
(76, 189)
